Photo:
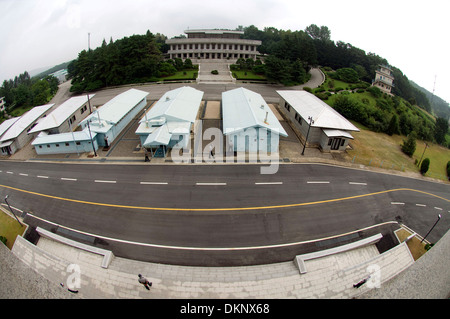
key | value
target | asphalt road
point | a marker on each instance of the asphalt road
(220, 214)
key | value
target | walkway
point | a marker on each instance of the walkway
(327, 277)
(205, 75)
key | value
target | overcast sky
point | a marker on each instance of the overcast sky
(412, 35)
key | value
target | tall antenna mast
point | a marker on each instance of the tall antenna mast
(434, 87)
(89, 41)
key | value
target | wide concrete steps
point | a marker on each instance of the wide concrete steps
(332, 276)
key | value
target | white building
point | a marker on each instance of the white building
(16, 135)
(2, 104)
(384, 79)
(65, 143)
(249, 123)
(329, 130)
(213, 44)
(170, 120)
(66, 117)
(109, 120)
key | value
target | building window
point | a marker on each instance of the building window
(48, 145)
(67, 144)
(78, 143)
(57, 145)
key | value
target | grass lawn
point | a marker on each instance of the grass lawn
(10, 228)
(337, 84)
(241, 75)
(416, 248)
(190, 75)
(374, 148)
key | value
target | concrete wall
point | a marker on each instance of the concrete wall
(79, 114)
(327, 143)
(254, 140)
(65, 147)
(315, 133)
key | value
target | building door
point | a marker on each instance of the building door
(336, 143)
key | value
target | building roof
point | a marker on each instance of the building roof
(181, 104)
(6, 124)
(61, 113)
(323, 115)
(243, 109)
(213, 31)
(160, 136)
(78, 136)
(25, 121)
(115, 109)
(337, 133)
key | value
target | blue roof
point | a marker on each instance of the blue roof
(244, 109)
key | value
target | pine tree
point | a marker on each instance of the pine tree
(409, 146)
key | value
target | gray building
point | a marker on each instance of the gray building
(16, 136)
(213, 44)
(328, 130)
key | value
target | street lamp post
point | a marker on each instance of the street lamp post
(92, 141)
(426, 145)
(311, 121)
(439, 217)
(6, 201)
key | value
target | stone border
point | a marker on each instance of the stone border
(107, 254)
(299, 260)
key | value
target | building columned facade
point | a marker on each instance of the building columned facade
(213, 44)
(384, 79)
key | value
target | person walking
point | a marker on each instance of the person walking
(147, 284)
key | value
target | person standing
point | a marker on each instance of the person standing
(147, 284)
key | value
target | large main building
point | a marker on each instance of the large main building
(213, 44)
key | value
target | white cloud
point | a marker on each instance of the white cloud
(409, 34)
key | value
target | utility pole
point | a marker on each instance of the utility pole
(311, 121)
(6, 201)
(439, 218)
(426, 145)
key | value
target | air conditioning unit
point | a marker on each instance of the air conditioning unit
(159, 121)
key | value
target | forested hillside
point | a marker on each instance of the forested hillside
(439, 107)
(351, 70)
(137, 58)
(314, 46)
(24, 92)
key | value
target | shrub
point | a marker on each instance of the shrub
(425, 166)
(214, 72)
(409, 146)
(448, 170)
(347, 75)
(3, 239)
(321, 95)
(307, 89)
(376, 92)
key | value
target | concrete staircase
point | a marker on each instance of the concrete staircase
(222, 66)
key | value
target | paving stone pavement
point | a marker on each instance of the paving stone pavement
(328, 277)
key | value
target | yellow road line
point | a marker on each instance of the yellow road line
(222, 209)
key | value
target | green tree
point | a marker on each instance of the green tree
(425, 166)
(393, 127)
(347, 75)
(409, 146)
(448, 170)
(322, 33)
(441, 129)
(277, 69)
